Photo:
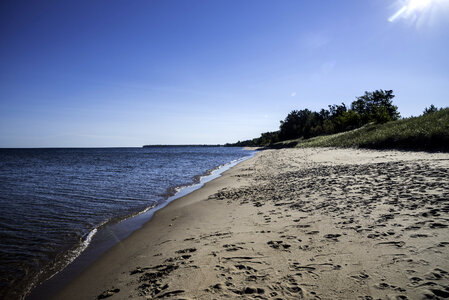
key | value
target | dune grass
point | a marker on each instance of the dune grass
(428, 132)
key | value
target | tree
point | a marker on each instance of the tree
(337, 110)
(376, 107)
(432, 108)
(296, 124)
(268, 138)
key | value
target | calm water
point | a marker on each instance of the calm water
(52, 200)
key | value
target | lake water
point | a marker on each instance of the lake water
(52, 201)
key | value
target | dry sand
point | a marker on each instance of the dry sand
(292, 223)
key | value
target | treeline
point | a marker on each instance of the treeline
(372, 107)
(428, 132)
(177, 146)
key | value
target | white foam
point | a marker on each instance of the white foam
(88, 239)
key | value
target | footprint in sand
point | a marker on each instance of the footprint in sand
(436, 225)
(398, 244)
(437, 274)
(333, 237)
(385, 286)
(434, 291)
(151, 281)
(279, 245)
(170, 294)
(188, 250)
(232, 247)
(248, 291)
(108, 293)
(313, 232)
(360, 276)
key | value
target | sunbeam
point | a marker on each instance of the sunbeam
(418, 11)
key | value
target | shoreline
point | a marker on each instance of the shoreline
(266, 229)
(108, 234)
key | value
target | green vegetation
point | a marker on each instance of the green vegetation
(372, 107)
(372, 121)
(427, 132)
(170, 146)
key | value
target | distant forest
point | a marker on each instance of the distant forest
(170, 146)
(373, 107)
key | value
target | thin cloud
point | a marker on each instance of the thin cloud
(315, 41)
(328, 66)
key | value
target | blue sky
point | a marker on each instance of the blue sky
(128, 73)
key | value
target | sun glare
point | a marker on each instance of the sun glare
(418, 4)
(415, 11)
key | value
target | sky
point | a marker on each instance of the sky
(112, 73)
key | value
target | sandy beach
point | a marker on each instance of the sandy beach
(291, 224)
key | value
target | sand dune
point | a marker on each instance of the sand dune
(292, 223)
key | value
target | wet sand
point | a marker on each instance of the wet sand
(292, 223)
